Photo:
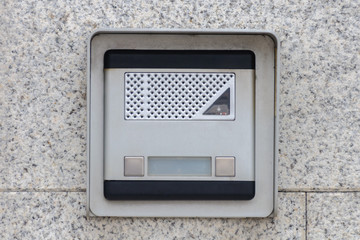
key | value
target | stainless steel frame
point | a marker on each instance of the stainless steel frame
(266, 48)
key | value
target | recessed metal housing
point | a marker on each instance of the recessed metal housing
(198, 107)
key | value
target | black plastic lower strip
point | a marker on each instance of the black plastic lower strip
(178, 190)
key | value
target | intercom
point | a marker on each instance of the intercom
(182, 123)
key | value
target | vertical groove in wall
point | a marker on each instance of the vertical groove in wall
(306, 216)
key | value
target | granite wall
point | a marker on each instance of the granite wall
(43, 117)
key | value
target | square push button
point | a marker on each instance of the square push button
(225, 166)
(134, 166)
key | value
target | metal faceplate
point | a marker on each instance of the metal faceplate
(132, 113)
(195, 137)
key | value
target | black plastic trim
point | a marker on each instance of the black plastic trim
(178, 190)
(190, 59)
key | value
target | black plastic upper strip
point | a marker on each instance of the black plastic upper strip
(179, 190)
(192, 59)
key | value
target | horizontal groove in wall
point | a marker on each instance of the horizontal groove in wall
(43, 190)
(280, 190)
(320, 190)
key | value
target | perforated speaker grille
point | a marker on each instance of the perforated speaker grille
(173, 96)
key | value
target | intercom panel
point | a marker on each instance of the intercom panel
(182, 124)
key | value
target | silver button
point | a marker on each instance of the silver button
(134, 166)
(225, 166)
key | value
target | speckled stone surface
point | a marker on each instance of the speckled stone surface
(43, 115)
(45, 215)
(319, 97)
(333, 216)
(43, 77)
